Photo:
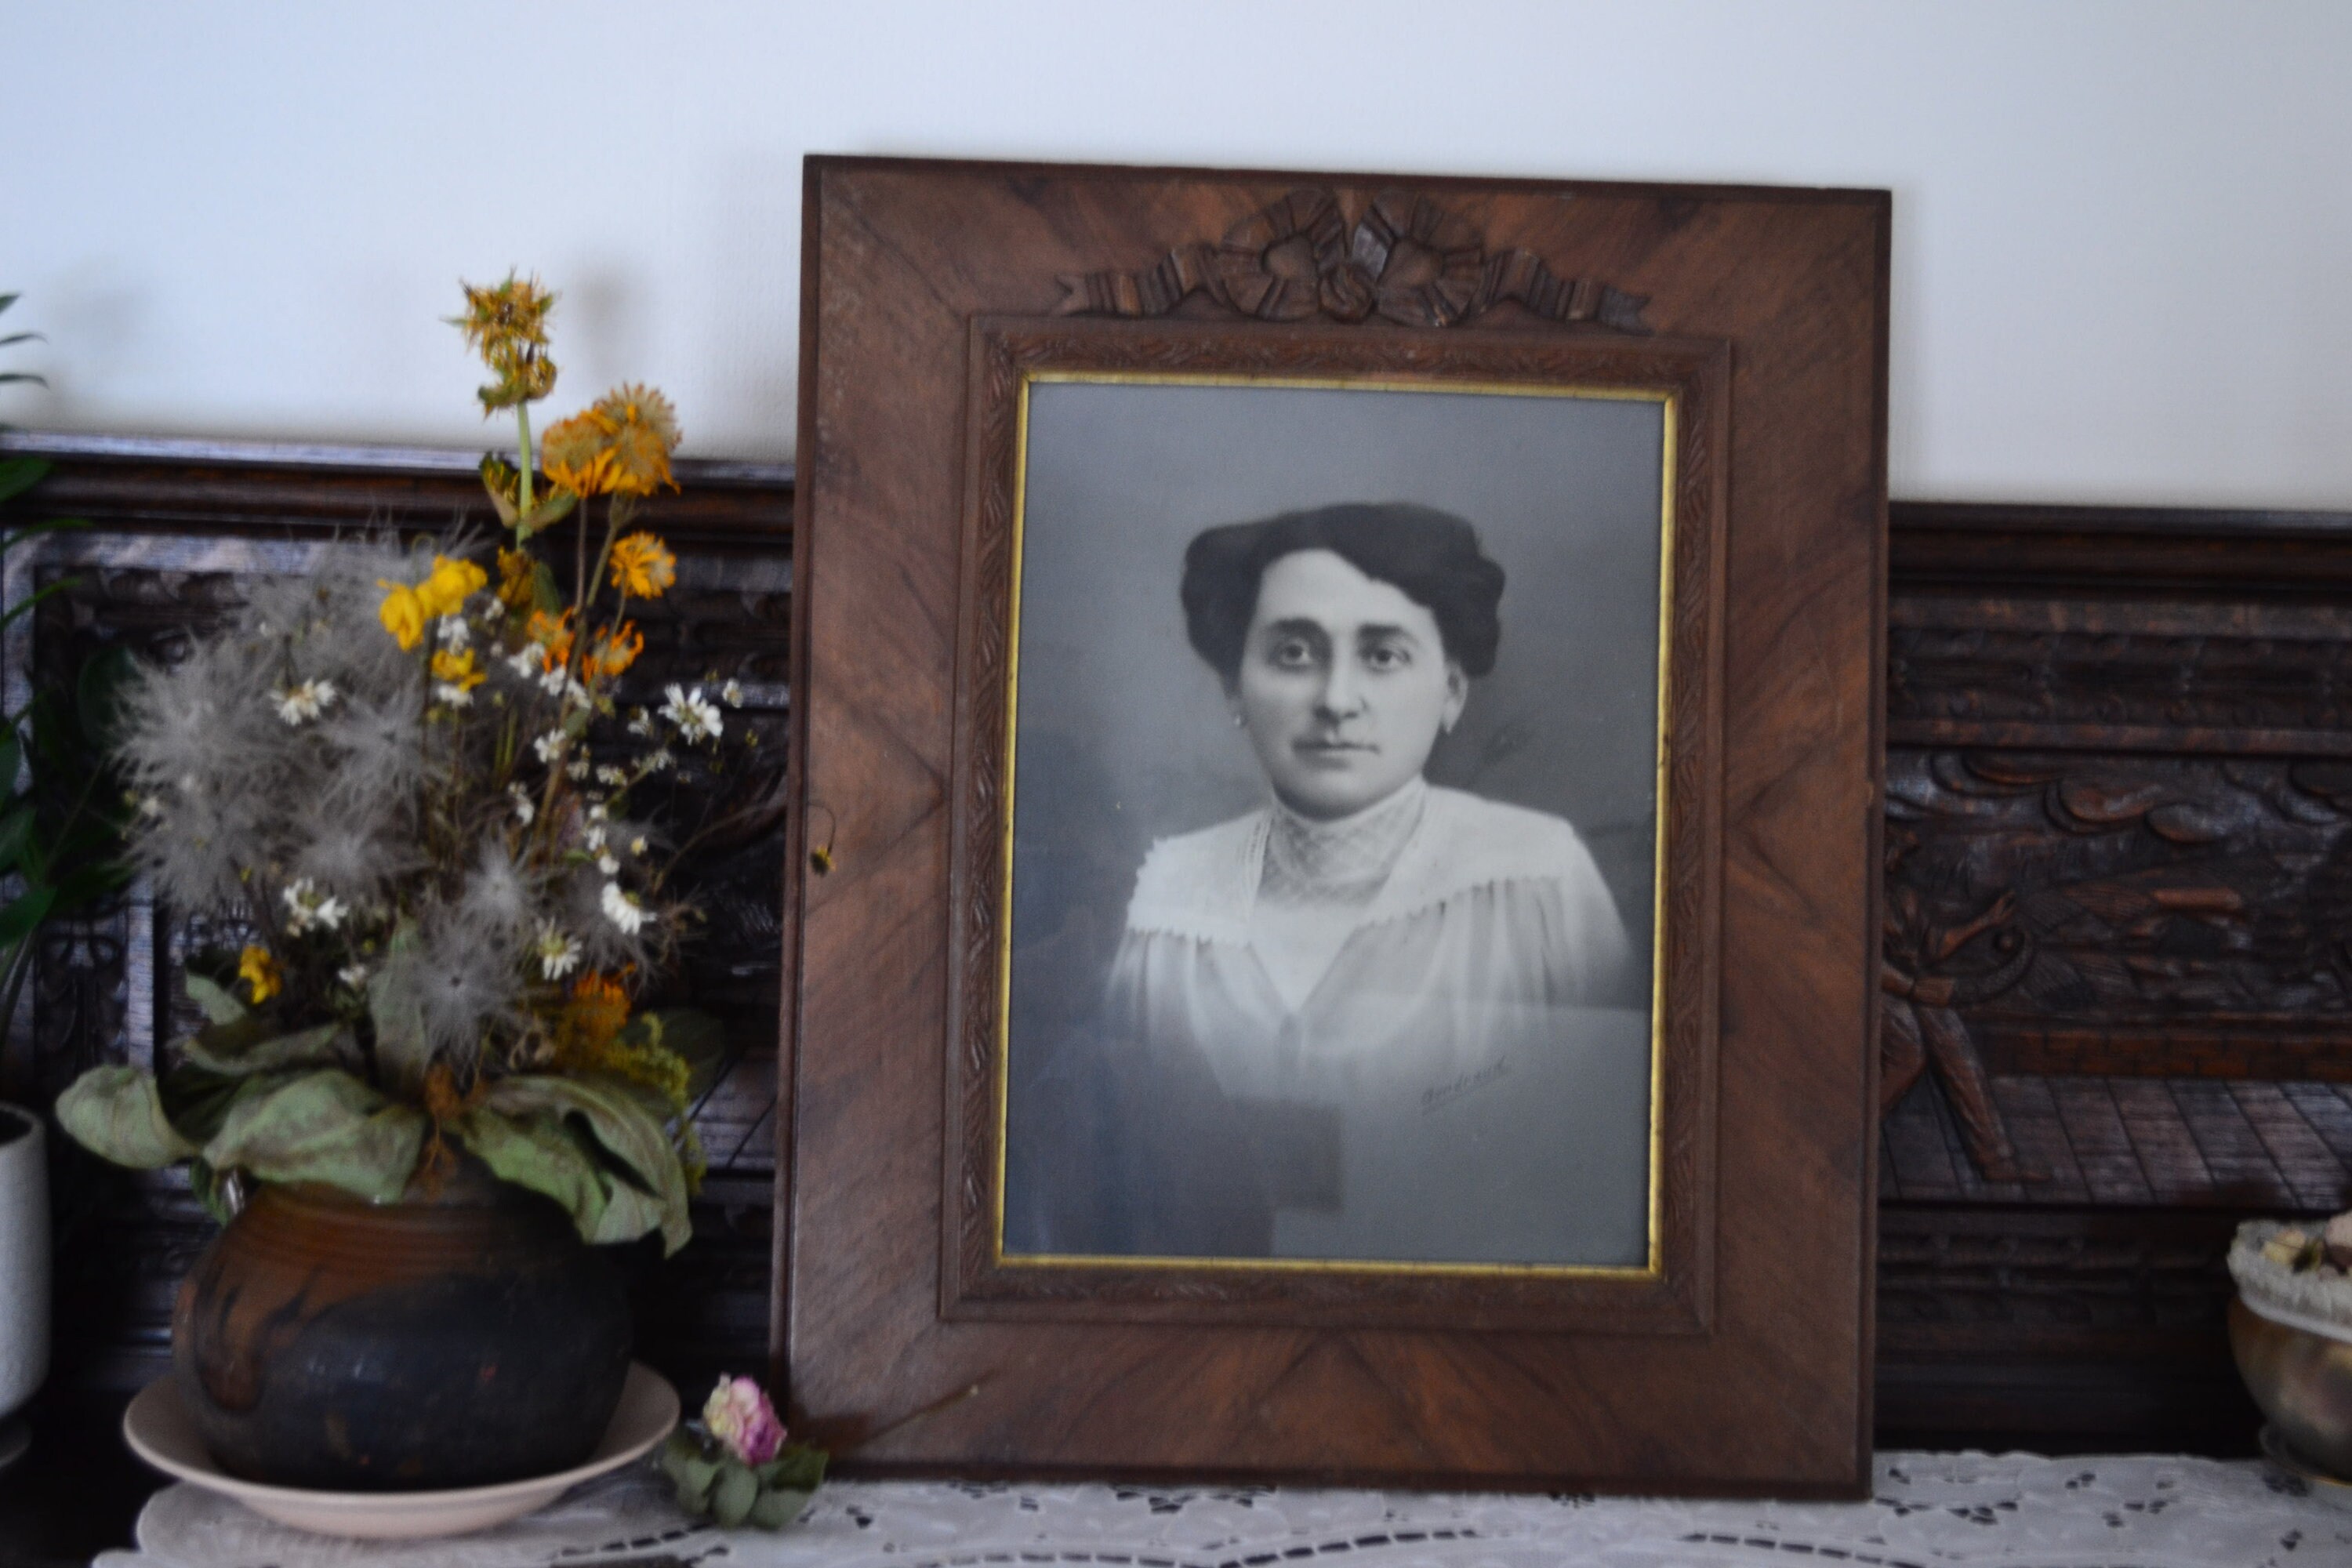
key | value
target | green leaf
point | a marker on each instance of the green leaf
(115, 1113)
(246, 1046)
(732, 1496)
(544, 513)
(217, 1001)
(402, 1050)
(633, 1182)
(21, 915)
(15, 828)
(32, 601)
(799, 1467)
(324, 1126)
(18, 475)
(775, 1509)
(12, 760)
(196, 1100)
(81, 889)
(544, 594)
(689, 1469)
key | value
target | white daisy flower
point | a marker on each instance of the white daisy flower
(455, 632)
(550, 745)
(525, 809)
(641, 723)
(661, 761)
(695, 717)
(608, 774)
(596, 812)
(452, 696)
(731, 694)
(553, 682)
(578, 770)
(353, 975)
(524, 661)
(623, 911)
(304, 702)
(606, 864)
(558, 953)
(308, 906)
(596, 834)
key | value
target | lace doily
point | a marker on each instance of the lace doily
(1930, 1511)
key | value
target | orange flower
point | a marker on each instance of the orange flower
(642, 566)
(577, 453)
(614, 650)
(507, 322)
(598, 1010)
(553, 635)
(621, 445)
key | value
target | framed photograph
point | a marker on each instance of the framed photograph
(1334, 932)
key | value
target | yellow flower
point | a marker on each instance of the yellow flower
(642, 566)
(259, 972)
(598, 1009)
(458, 669)
(614, 649)
(644, 433)
(515, 572)
(620, 447)
(402, 613)
(446, 588)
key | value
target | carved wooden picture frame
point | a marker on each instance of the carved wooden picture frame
(1729, 1348)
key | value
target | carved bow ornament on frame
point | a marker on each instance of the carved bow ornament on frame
(1406, 260)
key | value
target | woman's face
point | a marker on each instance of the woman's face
(1344, 685)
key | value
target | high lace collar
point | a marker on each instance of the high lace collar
(1348, 858)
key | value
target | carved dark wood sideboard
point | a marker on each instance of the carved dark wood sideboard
(2119, 943)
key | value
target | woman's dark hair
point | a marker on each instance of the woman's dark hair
(1430, 556)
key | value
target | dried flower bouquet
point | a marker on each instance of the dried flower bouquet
(408, 778)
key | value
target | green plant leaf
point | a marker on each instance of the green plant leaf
(689, 1469)
(218, 1003)
(116, 1114)
(637, 1184)
(207, 1184)
(196, 1100)
(799, 1468)
(732, 1496)
(12, 760)
(18, 475)
(15, 828)
(402, 1050)
(325, 1126)
(544, 594)
(79, 889)
(21, 915)
(246, 1046)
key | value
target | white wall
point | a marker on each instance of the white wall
(2123, 264)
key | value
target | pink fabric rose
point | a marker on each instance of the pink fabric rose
(739, 1415)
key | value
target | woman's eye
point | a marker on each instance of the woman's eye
(1386, 656)
(1292, 653)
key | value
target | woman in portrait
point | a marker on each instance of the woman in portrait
(1367, 1019)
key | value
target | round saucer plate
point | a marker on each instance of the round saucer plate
(159, 1431)
(2322, 1484)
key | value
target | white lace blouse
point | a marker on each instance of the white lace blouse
(1428, 1011)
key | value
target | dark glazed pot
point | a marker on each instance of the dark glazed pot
(323, 1341)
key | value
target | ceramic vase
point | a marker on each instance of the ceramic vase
(24, 1257)
(326, 1342)
(2299, 1370)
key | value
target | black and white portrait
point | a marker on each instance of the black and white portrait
(1334, 771)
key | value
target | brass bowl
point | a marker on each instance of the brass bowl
(2300, 1373)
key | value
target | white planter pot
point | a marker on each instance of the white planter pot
(24, 1257)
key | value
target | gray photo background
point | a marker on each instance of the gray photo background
(1123, 735)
